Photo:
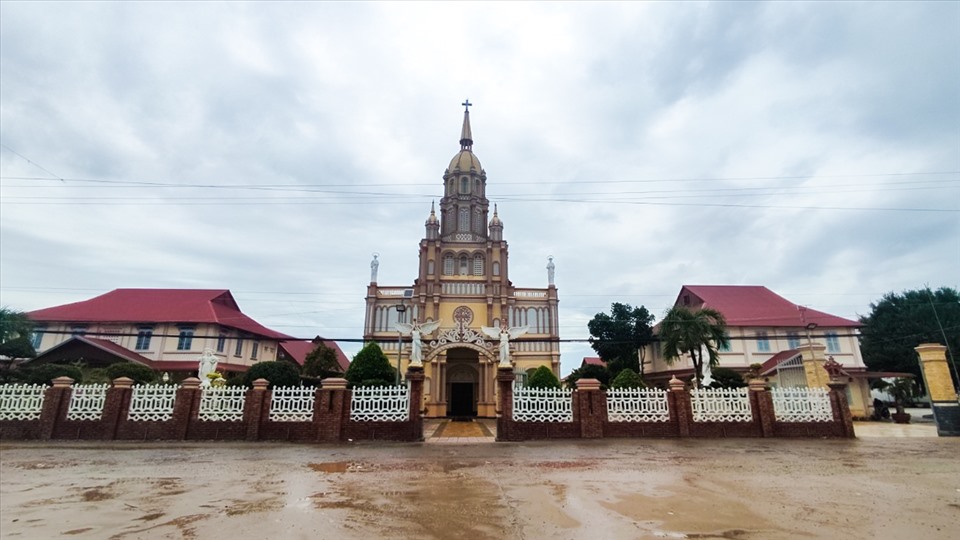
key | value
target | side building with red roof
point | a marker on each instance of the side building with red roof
(765, 328)
(166, 329)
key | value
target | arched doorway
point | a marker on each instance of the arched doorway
(463, 382)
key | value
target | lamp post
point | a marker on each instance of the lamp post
(401, 309)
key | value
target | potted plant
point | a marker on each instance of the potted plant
(901, 390)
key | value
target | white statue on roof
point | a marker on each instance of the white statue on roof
(374, 266)
(416, 331)
(208, 364)
(504, 334)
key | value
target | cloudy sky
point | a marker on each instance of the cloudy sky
(270, 148)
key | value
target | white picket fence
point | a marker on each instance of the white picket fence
(721, 405)
(292, 404)
(380, 404)
(223, 404)
(542, 405)
(802, 405)
(87, 401)
(21, 401)
(152, 402)
(637, 405)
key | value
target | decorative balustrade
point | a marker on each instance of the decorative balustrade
(520, 293)
(721, 405)
(86, 401)
(152, 403)
(21, 401)
(464, 288)
(637, 405)
(542, 405)
(380, 404)
(802, 405)
(223, 404)
(292, 404)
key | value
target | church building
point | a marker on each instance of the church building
(463, 283)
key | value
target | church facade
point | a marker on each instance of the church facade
(463, 283)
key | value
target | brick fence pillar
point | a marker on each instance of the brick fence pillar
(116, 405)
(841, 408)
(505, 378)
(680, 406)
(592, 406)
(56, 401)
(416, 377)
(254, 407)
(761, 402)
(333, 403)
(186, 408)
(943, 395)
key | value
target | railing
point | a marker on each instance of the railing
(464, 288)
(637, 405)
(529, 293)
(292, 404)
(721, 405)
(86, 401)
(802, 405)
(21, 401)
(380, 404)
(152, 403)
(542, 405)
(222, 404)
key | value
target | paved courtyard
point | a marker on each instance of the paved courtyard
(873, 487)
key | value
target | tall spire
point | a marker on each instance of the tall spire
(466, 137)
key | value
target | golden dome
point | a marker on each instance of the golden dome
(464, 161)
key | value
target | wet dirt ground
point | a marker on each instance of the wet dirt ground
(632, 489)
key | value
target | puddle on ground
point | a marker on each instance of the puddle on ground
(330, 466)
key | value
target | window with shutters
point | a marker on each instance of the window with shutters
(478, 265)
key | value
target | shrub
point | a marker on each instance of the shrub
(140, 373)
(543, 377)
(628, 378)
(95, 376)
(589, 371)
(278, 373)
(322, 362)
(726, 378)
(45, 373)
(370, 364)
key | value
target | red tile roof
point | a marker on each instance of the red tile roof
(298, 350)
(750, 305)
(778, 359)
(191, 306)
(592, 361)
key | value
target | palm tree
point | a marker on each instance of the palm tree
(686, 331)
(14, 324)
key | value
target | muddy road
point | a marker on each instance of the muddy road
(745, 489)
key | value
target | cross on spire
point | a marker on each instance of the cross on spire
(466, 105)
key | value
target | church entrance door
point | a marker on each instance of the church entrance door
(463, 382)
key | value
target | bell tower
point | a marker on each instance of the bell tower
(464, 206)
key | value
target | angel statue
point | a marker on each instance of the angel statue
(706, 371)
(504, 334)
(208, 364)
(416, 331)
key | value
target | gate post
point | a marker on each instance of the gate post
(415, 376)
(253, 406)
(680, 406)
(56, 400)
(592, 408)
(943, 396)
(505, 378)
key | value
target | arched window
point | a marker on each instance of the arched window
(478, 265)
(496, 268)
(448, 264)
(464, 225)
(464, 265)
(464, 185)
(430, 267)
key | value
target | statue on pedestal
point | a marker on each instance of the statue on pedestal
(416, 331)
(504, 334)
(208, 364)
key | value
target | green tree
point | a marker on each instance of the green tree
(370, 367)
(543, 377)
(15, 331)
(589, 371)
(628, 378)
(726, 378)
(619, 338)
(278, 373)
(899, 322)
(321, 362)
(140, 373)
(45, 373)
(686, 331)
